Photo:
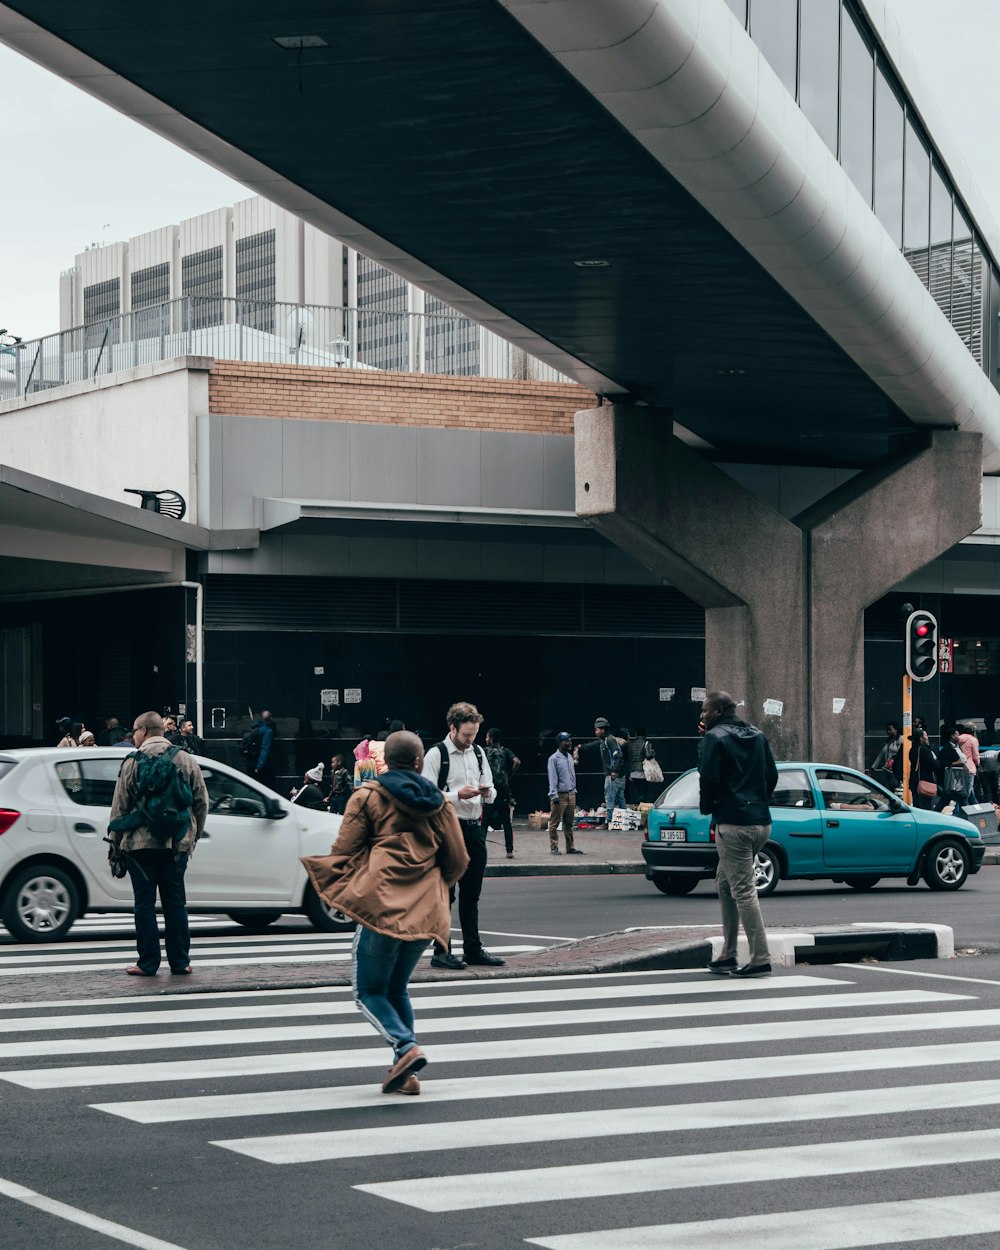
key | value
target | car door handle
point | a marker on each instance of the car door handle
(82, 827)
(833, 824)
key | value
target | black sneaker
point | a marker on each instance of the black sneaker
(483, 957)
(752, 970)
(445, 959)
(722, 966)
(574, 851)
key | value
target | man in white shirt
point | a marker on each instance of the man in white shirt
(460, 768)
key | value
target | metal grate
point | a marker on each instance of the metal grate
(382, 605)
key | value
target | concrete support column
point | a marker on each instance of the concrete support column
(784, 600)
(861, 540)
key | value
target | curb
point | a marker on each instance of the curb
(592, 868)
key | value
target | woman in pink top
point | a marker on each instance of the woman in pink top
(968, 744)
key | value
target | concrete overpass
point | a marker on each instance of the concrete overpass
(632, 193)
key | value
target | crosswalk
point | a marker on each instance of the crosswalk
(816, 1110)
(228, 945)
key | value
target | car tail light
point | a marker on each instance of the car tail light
(7, 818)
(711, 835)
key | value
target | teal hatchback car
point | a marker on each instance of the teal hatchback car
(828, 823)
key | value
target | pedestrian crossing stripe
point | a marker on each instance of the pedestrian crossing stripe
(469, 1191)
(542, 1084)
(478, 1052)
(825, 1228)
(268, 1035)
(152, 1013)
(24, 966)
(619, 1122)
(419, 989)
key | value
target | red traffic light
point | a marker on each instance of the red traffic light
(923, 630)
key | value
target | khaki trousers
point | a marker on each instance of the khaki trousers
(562, 809)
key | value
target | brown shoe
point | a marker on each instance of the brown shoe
(410, 1086)
(410, 1062)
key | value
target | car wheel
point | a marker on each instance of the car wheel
(329, 919)
(947, 866)
(255, 919)
(41, 904)
(672, 884)
(766, 871)
(861, 883)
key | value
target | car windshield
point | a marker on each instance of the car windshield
(681, 793)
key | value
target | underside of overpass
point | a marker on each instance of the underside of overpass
(443, 140)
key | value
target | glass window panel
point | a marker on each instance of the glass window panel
(916, 200)
(819, 46)
(793, 789)
(857, 106)
(940, 260)
(967, 285)
(739, 8)
(774, 29)
(889, 125)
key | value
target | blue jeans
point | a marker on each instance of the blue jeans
(153, 870)
(380, 973)
(614, 795)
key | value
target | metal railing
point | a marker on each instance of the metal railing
(242, 329)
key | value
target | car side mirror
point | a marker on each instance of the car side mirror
(273, 810)
(895, 806)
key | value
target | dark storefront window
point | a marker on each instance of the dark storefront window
(889, 132)
(857, 104)
(774, 29)
(819, 67)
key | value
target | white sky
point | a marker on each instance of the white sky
(76, 172)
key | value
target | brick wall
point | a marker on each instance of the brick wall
(248, 389)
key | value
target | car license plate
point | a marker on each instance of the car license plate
(673, 835)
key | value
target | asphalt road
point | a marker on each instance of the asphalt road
(572, 907)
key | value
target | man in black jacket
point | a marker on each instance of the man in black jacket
(738, 777)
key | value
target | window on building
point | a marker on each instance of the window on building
(150, 290)
(255, 279)
(451, 341)
(916, 200)
(774, 29)
(101, 303)
(967, 289)
(889, 133)
(383, 322)
(819, 67)
(857, 105)
(202, 285)
(940, 256)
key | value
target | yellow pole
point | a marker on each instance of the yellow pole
(907, 729)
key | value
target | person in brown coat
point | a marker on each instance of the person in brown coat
(399, 848)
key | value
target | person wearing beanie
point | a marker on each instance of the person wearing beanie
(612, 763)
(310, 793)
(399, 848)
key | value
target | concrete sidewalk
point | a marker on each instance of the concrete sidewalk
(604, 851)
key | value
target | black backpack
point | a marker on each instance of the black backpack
(250, 742)
(446, 763)
(163, 798)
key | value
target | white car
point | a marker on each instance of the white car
(54, 812)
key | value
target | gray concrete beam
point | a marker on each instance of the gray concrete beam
(784, 600)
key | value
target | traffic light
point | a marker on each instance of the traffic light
(921, 646)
